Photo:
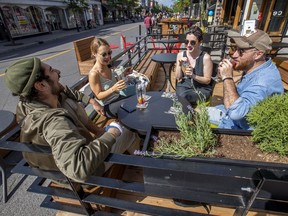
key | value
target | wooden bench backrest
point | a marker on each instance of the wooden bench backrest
(82, 48)
(282, 65)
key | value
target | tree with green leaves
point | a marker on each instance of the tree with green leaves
(156, 9)
(179, 5)
(77, 6)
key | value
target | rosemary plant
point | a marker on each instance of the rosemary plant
(196, 138)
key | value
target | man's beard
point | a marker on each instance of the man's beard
(56, 88)
(242, 65)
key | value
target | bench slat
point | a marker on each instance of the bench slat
(282, 65)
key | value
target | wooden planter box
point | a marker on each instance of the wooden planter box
(218, 181)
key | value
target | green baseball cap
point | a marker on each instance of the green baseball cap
(20, 76)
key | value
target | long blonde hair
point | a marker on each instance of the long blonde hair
(96, 43)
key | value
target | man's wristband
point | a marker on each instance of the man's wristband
(231, 78)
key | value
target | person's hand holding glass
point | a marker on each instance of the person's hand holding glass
(121, 78)
(187, 69)
(226, 66)
(119, 85)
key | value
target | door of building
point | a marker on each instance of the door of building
(274, 16)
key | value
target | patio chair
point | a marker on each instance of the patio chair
(113, 46)
(181, 37)
(155, 47)
(124, 43)
(206, 43)
(176, 47)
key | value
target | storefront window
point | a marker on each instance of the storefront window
(53, 18)
(22, 22)
(278, 15)
(38, 18)
(10, 20)
(256, 6)
(71, 18)
(96, 14)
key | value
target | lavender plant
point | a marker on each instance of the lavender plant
(196, 139)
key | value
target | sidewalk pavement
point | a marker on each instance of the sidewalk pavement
(22, 43)
(29, 41)
(7, 46)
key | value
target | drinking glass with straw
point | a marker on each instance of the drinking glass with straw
(140, 92)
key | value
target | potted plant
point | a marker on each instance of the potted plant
(201, 174)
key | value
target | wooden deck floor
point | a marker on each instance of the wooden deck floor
(136, 174)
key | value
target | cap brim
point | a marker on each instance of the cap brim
(240, 42)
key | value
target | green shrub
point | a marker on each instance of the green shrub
(269, 118)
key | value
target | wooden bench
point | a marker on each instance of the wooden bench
(282, 65)
(83, 54)
(149, 67)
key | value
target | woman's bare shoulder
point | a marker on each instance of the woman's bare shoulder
(94, 72)
(207, 57)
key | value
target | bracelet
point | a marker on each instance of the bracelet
(231, 78)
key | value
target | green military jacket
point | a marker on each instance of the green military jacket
(76, 152)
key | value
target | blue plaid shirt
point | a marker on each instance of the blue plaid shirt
(255, 86)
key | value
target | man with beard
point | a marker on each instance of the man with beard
(50, 115)
(260, 79)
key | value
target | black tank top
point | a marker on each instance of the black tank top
(198, 70)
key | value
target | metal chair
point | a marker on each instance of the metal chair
(113, 46)
(124, 43)
(154, 45)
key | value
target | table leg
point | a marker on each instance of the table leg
(170, 72)
(4, 179)
(167, 76)
(166, 47)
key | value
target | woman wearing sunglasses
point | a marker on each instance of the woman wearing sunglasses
(194, 80)
(103, 80)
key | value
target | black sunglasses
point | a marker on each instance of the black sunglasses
(105, 54)
(241, 51)
(192, 42)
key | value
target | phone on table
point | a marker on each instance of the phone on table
(127, 108)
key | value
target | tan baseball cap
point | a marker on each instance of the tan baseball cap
(260, 40)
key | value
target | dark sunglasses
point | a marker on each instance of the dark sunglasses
(192, 42)
(105, 54)
(241, 51)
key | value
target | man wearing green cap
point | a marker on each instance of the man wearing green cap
(260, 79)
(50, 115)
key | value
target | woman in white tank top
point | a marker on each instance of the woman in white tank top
(103, 80)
